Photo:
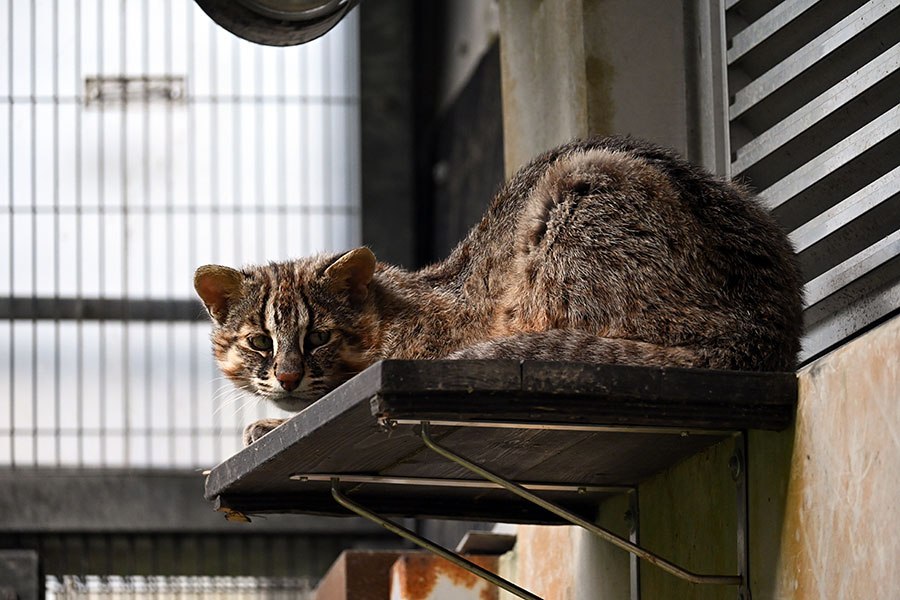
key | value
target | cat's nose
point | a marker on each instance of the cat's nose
(289, 381)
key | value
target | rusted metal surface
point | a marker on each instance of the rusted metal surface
(406, 534)
(426, 577)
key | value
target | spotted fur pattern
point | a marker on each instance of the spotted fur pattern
(606, 250)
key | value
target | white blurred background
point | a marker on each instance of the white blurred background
(139, 141)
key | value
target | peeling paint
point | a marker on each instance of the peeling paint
(429, 577)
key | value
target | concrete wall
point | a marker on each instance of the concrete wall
(823, 501)
(823, 495)
(572, 68)
(840, 512)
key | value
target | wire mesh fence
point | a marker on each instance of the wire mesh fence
(70, 587)
(142, 141)
(270, 565)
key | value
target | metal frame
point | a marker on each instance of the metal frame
(405, 533)
(458, 483)
(737, 464)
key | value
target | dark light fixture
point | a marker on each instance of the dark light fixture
(277, 22)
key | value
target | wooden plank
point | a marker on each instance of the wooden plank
(616, 395)
(263, 462)
(346, 432)
(509, 452)
(401, 502)
(444, 376)
(619, 459)
(671, 385)
(603, 411)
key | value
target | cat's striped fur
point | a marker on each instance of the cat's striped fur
(606, 250)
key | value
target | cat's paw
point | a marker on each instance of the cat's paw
(254, 431)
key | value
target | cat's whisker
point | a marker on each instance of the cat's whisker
(228, 398)
(225, 393)
(250, 400)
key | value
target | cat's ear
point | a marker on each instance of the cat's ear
(218, 287)
(352, 273)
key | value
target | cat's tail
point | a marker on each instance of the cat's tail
(582, 346)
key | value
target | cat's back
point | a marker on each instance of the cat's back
(625, 239)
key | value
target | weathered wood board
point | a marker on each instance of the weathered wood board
(653, 418)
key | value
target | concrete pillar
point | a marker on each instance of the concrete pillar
(573, 68)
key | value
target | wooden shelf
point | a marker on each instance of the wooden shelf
(602, 428)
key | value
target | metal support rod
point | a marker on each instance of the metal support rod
(634, 536)
(740, 473)
(406, 534)
(573, 518)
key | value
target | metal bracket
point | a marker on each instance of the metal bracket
(576, 520)
(633, 518)
(737, 464)
(413, 537)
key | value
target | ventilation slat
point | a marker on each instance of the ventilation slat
(814, 123)
(852, 270)
(833, 159)
(825, 105)
(843, 322)
(843, 214)
(816, 51)
(765, 27)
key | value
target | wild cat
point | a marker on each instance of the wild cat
(608, 250)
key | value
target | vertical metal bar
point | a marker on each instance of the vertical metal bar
(56, 236)
(101, 237)
(428, 545)
(170, 252)
(123, 170)
(149, 256)
(268, 549)
(739, 469)
(351, 141)
(84, 556)
(79, 271)
(282, 153)
(12, 263)
(634, 536)
(215, 198)
(192, 228)
(154, 551)
(237, 168)
(63, 546)
(260, 144)
(303, 156)
(236, 149)
(327, 202)
(34, 258)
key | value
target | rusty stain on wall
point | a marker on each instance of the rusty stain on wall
(424, 576)
(544, 561)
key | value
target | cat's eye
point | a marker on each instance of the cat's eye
(262, 343)
(318, 337)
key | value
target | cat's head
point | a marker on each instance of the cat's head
(291, 331)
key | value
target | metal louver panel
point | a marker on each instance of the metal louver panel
(814, 125)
